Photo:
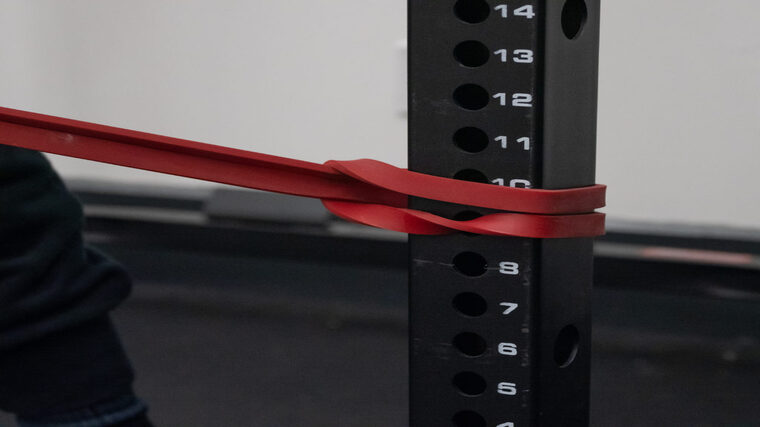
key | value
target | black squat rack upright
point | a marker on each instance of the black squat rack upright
(502, 92)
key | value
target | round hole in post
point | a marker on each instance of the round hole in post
(566, 346)
(470, 264)
(574, 15)
(470, 344)
(471, 175)
(468, 419)
(470, 304)
(472, 53)
(471, 139)
(469, 383)
(471, 97)
(472, 11)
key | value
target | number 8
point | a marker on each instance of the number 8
(509, 268)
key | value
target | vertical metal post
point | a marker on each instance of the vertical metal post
(503, 92)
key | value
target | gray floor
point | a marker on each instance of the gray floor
(199, 369)
(215, 369)
(225, 357)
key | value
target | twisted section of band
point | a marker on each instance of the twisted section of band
(364, 191)
(536, 213)
(498, 224)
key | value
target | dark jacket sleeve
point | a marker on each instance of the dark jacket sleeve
(58, 350)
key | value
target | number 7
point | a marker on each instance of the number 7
(510, 307)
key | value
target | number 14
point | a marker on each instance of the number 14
(526, 11)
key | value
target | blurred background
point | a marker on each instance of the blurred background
(237, 321)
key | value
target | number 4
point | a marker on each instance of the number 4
(526, 11)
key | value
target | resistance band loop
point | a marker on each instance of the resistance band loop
(364, 191)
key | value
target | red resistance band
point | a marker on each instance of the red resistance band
(364, 191)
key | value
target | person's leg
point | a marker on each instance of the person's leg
(61, 362)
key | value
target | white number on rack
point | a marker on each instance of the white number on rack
(522, 100)
(521, 183)
(508, 349)
(503, 9)
(525, 141)
(526, 11)
(518, 99)
(509, 268)
(498, 181)
(502, 97)
(510, 307)
(506, 425)
(508, 389)
(523, 56)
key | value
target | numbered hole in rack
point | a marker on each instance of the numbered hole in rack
(470, 304)
(471, 97)
(471, 175)
(472, 53)
(469, 383)
(470, 264)
(468, 419)
(566, 346)
(470, 344)
(471, 139)
(472, 11)
(574, 15)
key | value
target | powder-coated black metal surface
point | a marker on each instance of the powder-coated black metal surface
(500, 327)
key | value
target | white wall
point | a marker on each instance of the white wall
(679, 110)
(679, 117)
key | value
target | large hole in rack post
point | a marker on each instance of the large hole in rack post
(470, 304)
(468, 419)
(574, 15)
(472, 11)
(471, 97)
(469, 383)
